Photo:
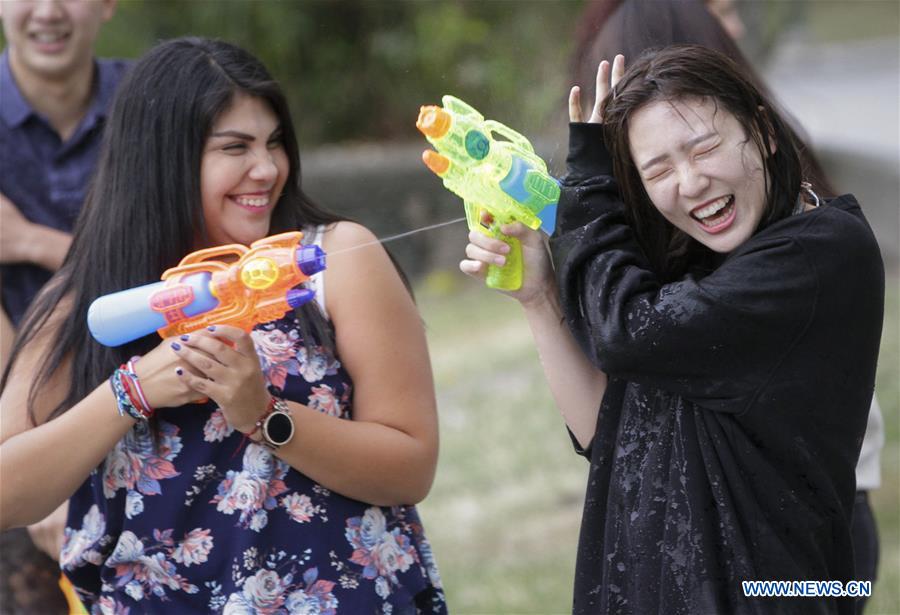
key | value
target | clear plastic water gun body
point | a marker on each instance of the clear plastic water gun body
(257, 286)
(500, 181)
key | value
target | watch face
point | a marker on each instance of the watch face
(279, 428)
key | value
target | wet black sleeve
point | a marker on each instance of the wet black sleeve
(715, 341)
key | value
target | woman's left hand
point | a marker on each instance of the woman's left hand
(607, 78)
(230, 374)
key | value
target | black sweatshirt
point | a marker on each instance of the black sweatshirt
(727, 438)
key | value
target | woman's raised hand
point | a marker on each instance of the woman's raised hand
(224, 366)
(481, 251)
(606, 80)
(220, 364)
(537, 279)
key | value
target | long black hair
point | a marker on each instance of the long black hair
(143, 211)
(692, 72)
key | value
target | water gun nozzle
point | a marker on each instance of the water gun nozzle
(433, 121)
(298, 296)
(311, 260)
(438, 163)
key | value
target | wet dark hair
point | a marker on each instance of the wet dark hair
(143, 212)
(630, 27)
(685, 73)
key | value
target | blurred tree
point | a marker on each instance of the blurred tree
(359, 69)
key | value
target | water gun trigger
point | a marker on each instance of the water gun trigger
(509, 276)
(475, 217)
(486, 219)
(489, 225)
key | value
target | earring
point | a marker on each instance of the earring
(806, 186)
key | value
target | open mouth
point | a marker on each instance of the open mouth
(49, 40)
(716, 215)
(255, 203)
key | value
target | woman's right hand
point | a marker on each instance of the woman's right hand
(538, 282)
(161, 385)
(607, 78)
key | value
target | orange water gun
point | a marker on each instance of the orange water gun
(256, 285)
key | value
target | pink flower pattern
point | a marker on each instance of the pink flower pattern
(216, 428)
(253, 490)
(136, 465)
(144, 570)
(325, 400)
(195, 547)
(299, 507)
(381, 551)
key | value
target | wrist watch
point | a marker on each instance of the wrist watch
(277, 427)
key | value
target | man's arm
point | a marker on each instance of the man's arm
(22, 241)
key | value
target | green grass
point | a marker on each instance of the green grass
(886, 500)
(505, 509)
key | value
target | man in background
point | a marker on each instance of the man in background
(54, 95)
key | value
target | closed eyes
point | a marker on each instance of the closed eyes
(241, 146)
(659, 175)
(707, 151)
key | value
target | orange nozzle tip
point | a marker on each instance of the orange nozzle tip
(436, 162)
(433, 121)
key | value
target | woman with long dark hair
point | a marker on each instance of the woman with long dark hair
(711, 345)
(179, 504)
(629, 27)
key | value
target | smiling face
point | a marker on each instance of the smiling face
(243, 171)
(700, 169)
(49, 39)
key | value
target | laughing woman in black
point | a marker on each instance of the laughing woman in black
(717, 357)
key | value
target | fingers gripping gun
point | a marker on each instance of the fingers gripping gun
(202, 290)
(499, 181)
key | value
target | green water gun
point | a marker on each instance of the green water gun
(499, 181)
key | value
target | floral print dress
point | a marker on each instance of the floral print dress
(203, 524)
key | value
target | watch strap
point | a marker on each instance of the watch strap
(277, 426)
